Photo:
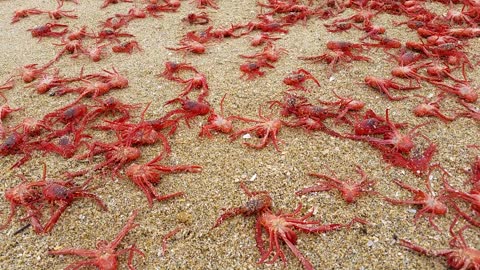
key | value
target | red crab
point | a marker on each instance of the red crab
(105, 256)
(111, 105)
(198, 81)
(62, 194)
(431, 204)
(72, 114)
(417, 161)
(385, 84)
(171, 68)
(115, 23)
(217, 122)
(79, 34)
(410, 72)
(261, 38)
(26, 194)
(344, 104)
(252, 69)
(67, 145)
(108, 34)
(463, 90)
(432, 108)
(439, 71)
(29, 73)
(472, 197)
(141, 133)
(20, 14)
(47, 30)
(200, 18)
(266, 129)
(190, 109)
(189, 46)
(145, 176)
(269, 54)
(373, 124)
(153, 9)
(459, 257)
(95, 53)
(399, 142)
(334, 58)
(350, 190)
(281, 227)
(58, 13)
(116, 155)
(298, 77)
(17, 143)
(126, 47)
(259, 201)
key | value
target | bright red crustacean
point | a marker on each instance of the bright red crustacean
(439, 71)
(385, 84)
(57, 13)
(116, 155)
(259, 202)
(402, 143)
(145, 176)
(350, 190)
(62, 194)
(266, 129)
(372, 124)
(108, 34)
(200, 18)
(217, 122)
(189, 46)
(26, 194)
(105, 256)
(126, 47)
(115, 23)
(472, 197)
(463, 90)
(47, 30)
(17, 143)
(298, 77)
(23, 13)
(261, 38)
(172, 68)
(198, 81)
(432, 108)
(252, 69)
(281, 226)
(110, 105)
(429, 203)
(30, 72)
(459, 257)
(269, 54)
(344, 104)
(190, 109)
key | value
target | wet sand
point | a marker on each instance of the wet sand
(225, 163)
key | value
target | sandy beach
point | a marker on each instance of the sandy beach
(224, 163)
